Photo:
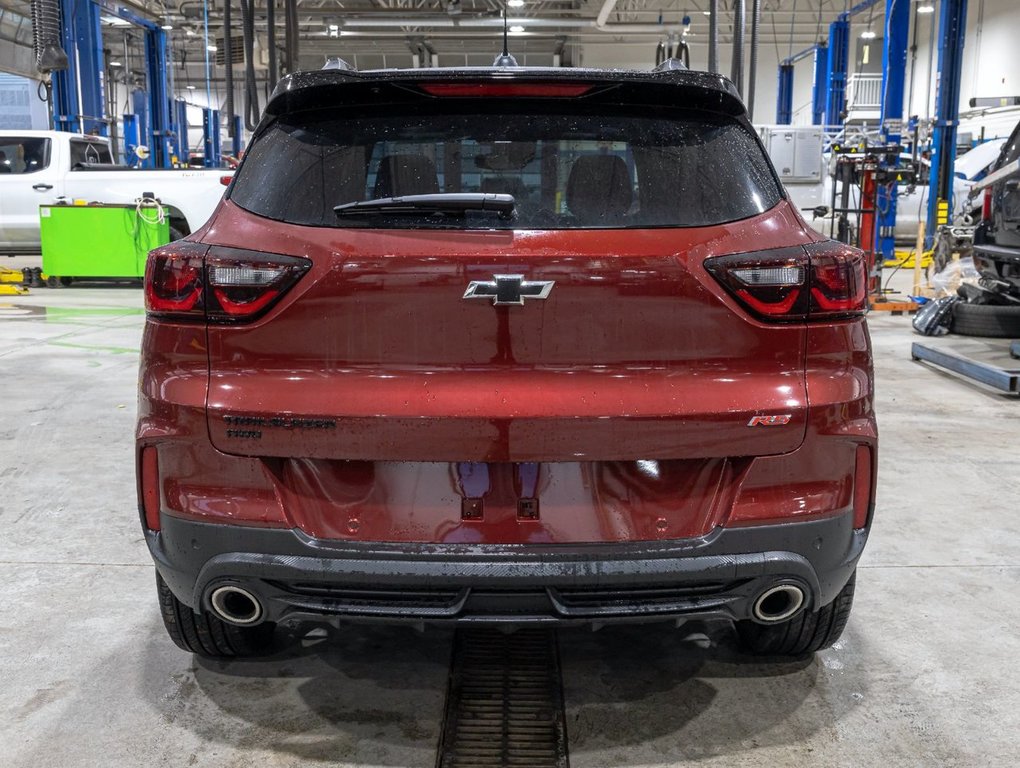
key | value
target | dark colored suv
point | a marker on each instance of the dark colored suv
(505, 345)
(997, 239)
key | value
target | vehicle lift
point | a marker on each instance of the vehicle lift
(79, 103)
(952, 25)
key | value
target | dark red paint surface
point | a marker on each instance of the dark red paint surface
(621, 402)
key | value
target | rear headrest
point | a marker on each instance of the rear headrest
(599, 189)
(401, 175)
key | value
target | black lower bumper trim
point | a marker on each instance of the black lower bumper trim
(296, 577)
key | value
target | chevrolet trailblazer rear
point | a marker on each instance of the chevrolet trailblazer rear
(505, 345)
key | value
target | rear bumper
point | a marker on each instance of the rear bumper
(296, 577)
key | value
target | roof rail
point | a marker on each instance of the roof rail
(335, 62)
(669, 65)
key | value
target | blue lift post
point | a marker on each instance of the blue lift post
(79, 92)
(952, 26)
(784, 94)
(818, 88)
(131, 134)
(181, 146)
(140, 105)
(236, 144)
(211, 137)
(894, 73)
(838, 63)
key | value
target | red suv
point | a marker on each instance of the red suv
(505, 345)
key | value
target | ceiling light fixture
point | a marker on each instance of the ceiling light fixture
(211, 48)
(867, 35)
(116, 64)
(191, 87)
(516, 29)
(333, 30)
(515, 3)
(926, 8)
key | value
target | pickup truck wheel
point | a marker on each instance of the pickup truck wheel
(989, 320)
(205, 635)
(805, 633)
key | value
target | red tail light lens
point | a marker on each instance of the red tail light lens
(192, 282)
(986, 205)
(839, 281)
(823, 281)
(173, 279)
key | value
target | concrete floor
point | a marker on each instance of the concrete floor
(925, 675)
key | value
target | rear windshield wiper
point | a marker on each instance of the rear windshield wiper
(455, 203)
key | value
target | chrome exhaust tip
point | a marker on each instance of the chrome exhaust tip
(236, 605)
(778, 603)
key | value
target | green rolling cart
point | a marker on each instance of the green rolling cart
(97, 241)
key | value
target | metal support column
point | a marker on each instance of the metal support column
(835, 70)
(952, 26)
(784, 95)
(894, 73)
(211, 137)
(79, 92)
(818, 88)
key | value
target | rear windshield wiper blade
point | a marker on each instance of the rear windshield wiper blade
(440, 202)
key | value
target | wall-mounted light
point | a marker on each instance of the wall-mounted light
(926, 8)
(211, 48)
(867, 35)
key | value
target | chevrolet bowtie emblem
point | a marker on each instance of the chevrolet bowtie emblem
(508, 290)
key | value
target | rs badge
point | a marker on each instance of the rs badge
(770, 421)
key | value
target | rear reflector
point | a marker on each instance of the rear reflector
(188, 281)
(225, 180)
(862, 486)
(150, 488)
(822, 281)
(541, 90)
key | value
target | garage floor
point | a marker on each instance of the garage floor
(924, 675)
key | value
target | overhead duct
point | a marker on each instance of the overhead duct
(713, 36)
(737, 65)
(252, 111)
(274, 74)
(228, 70)
(753, 59)
(49, 54)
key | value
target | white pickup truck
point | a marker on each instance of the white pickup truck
(47, 167)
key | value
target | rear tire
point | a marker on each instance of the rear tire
(988, 320)
(805, 633)
(205, 635)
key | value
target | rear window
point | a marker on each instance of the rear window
(564, 171)
(85, 152)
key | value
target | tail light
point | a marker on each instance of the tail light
(986, 205)
(193, 282)
(822, 281)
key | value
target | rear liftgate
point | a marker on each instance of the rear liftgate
(504, 705)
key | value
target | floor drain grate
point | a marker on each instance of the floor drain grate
(504, 706)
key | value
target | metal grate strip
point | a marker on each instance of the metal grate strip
(504, 705)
